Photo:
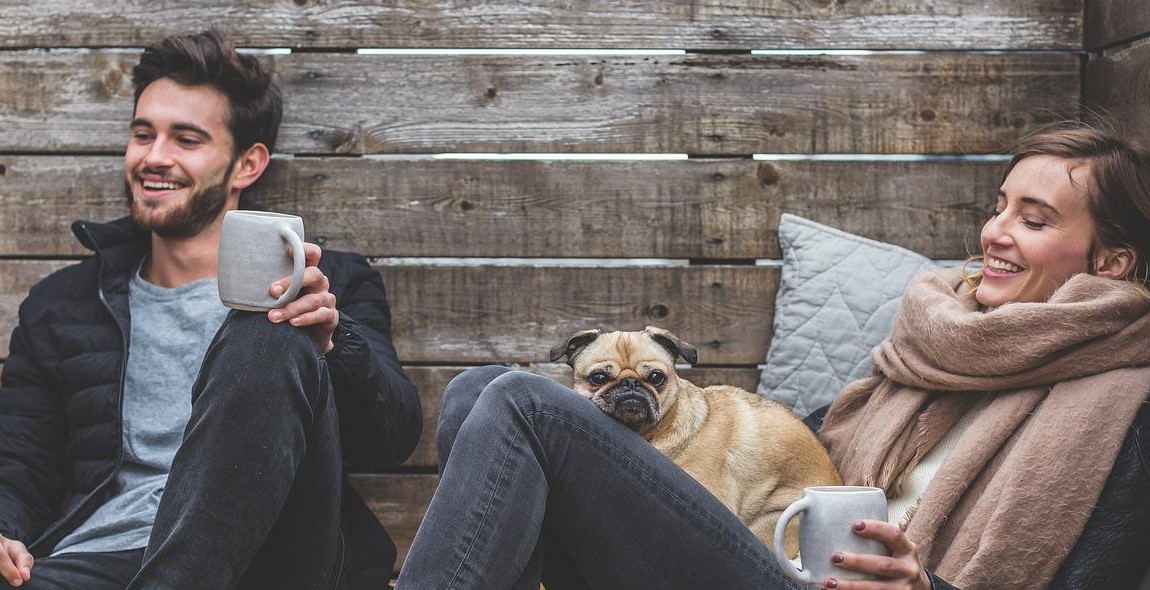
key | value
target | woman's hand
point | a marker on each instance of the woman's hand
(901, 570)
(15, 562)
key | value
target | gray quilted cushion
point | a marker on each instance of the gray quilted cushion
(837, 299)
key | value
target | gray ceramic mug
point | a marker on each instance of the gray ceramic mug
(254, 254)
(828, 513)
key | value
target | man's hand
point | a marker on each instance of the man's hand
(314, 308)
(15, 562)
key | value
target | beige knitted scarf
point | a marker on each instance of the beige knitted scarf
(1065, 377)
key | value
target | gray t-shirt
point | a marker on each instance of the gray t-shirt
(171, 330)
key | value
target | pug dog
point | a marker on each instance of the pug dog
(753, 454)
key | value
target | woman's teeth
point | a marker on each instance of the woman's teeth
(1002, 265)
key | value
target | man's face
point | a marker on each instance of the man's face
(179, 163)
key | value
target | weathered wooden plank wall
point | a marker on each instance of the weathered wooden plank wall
(706, 24)
(1112, 22)
(492, 260)
(695, 104)
(1117, 80)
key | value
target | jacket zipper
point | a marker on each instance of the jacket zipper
(120, 404)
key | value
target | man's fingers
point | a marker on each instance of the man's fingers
(322, 315)
(311, 253)
(314, 281)
(15, 563)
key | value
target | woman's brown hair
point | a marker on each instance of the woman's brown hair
(1118, 193)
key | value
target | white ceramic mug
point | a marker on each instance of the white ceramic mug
(828, 513)
(254, 254)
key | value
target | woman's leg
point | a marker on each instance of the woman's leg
(533, 455)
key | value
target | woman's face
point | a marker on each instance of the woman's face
(1040, 233)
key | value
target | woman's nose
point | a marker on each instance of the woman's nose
(996, 230)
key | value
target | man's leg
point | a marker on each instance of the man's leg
(90, 571)
(253, 494)
(531, 456)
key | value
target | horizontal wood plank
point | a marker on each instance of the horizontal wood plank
(902, 24)
(479, 314)
(1118, 83)
(431, 381)
(694, 104)
(1111, 22)
(699, 209)
(483, 314)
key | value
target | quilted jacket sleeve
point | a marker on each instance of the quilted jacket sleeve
(379, 412)
(33, 428)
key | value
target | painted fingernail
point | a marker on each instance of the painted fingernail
(859, 525)
(831, 583)
(276, 316)
(837, 557)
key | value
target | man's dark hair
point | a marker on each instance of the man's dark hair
(255, 105)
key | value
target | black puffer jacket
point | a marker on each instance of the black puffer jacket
(60, 400)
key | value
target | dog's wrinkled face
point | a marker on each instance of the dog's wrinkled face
(629, 375)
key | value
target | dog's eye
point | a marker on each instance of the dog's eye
(656, 378)
(598, 378)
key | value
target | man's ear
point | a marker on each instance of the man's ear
(1115, 263)
(250, 166)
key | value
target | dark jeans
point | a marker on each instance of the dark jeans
(538, 483)
(253, 497)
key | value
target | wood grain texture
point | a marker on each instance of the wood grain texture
(504, 314)
(482, 314)
(1118, 83)
(694, 104)
(431, 381)
(709, 24)
(699, 209)
(1110, 22)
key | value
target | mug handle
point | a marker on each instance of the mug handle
(780, 551)
(293, 240)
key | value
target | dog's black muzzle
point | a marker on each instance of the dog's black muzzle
(632, 404)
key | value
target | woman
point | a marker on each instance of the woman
(1003, 420)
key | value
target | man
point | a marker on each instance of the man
(150, 438)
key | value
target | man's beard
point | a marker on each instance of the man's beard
(187, 219)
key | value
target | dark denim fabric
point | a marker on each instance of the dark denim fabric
(253, 497)
(536, 482)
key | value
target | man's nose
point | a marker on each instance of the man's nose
(159, 155)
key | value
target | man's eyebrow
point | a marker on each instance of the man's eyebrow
(141, 122)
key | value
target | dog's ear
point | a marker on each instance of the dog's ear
(577, 342)
(673, 344)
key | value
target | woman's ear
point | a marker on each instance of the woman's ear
(1115, 263)
(250, 165)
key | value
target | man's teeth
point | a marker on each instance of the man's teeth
(160, 186)
(1002, 265)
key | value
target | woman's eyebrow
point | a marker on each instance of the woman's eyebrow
(1037, 202)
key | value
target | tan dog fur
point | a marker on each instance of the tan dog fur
(753, 454)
